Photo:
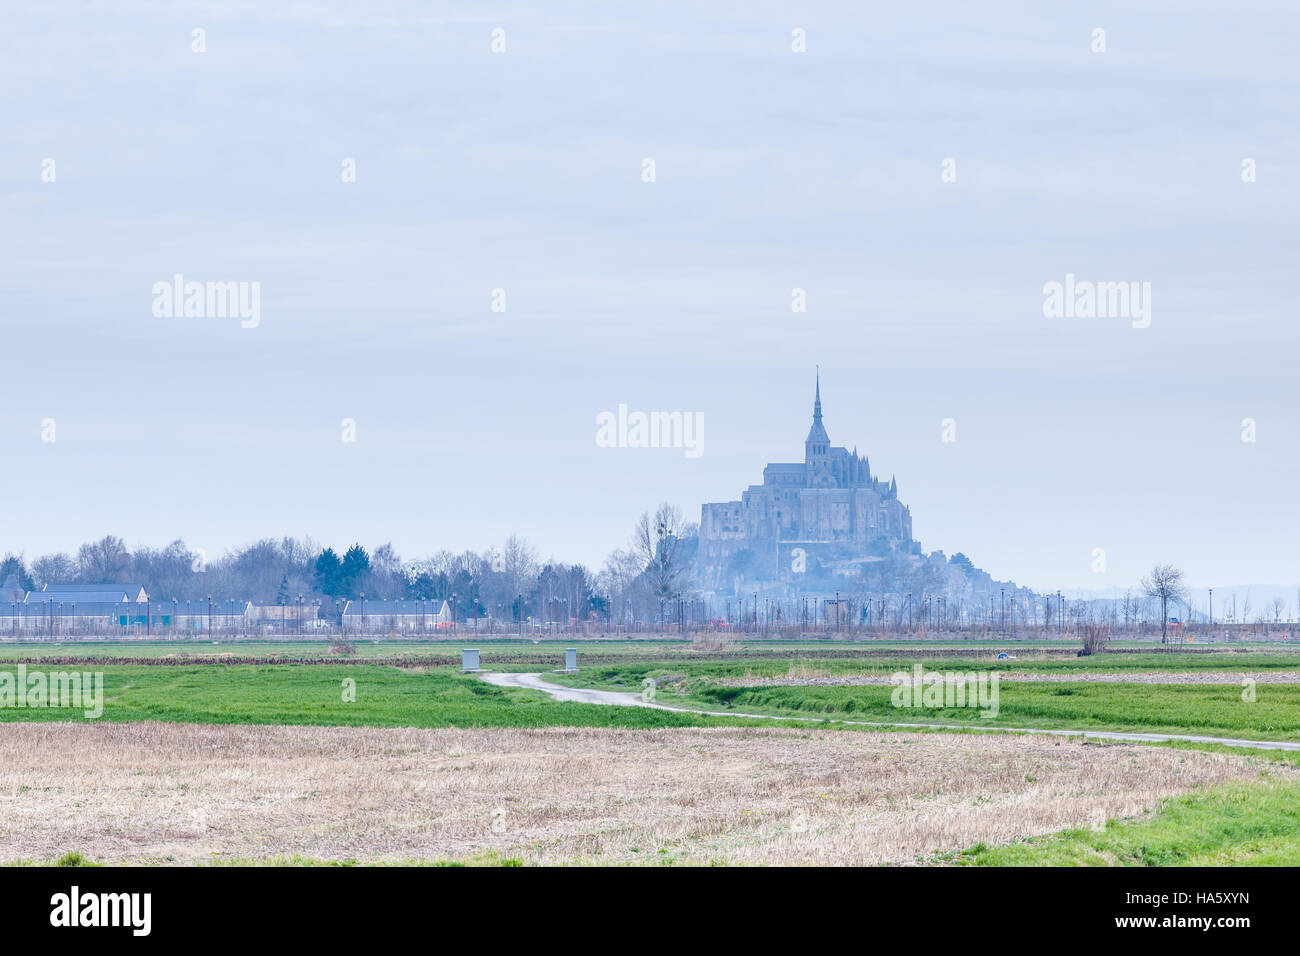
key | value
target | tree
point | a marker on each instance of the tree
(1130, 608)
(104, 561)
(1165, 584)
(165, 573)
(507, 576)
(352, 575)
(13, 564)
(656, 541)
(961, 561)
(617, 585)
(428, 587)
(329, 573)
(387, 578)
(52, 569)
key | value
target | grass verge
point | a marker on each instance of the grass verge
(1243, 824)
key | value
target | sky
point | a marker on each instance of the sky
(524, 170)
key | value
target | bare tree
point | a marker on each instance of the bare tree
(105, 560)
(1096, 635)
(617, 580)
(1165, 584)
(53, 569)
(1130, 607)
(656, 541)
(387, 578)
(521, 566)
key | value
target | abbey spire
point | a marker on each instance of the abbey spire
(817, 446)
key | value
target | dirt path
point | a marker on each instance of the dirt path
(627, 699)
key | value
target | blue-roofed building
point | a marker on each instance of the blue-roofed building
(81, 596)
(395, 617)
(84, 593)
(114, 616)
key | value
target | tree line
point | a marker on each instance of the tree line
(509, 582)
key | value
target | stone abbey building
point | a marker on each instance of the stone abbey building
(809, 522)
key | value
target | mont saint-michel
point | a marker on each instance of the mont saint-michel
(821, 525)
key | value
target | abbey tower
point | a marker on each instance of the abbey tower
(827, 513)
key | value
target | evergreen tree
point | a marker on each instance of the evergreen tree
(13, 564)
(329, 573)
(352, 575)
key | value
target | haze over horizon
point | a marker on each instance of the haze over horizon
(775, 171)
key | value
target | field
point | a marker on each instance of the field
(254, 753)
(315, 695)
(1174, 707)
(192, 793)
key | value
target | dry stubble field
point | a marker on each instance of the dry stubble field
(189, 793)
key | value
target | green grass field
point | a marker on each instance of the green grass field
(314, 695)
(1212, 710)
(1242, 824)
(1217, 710)
(201, 689)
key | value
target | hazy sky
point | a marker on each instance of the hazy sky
(774, 170)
